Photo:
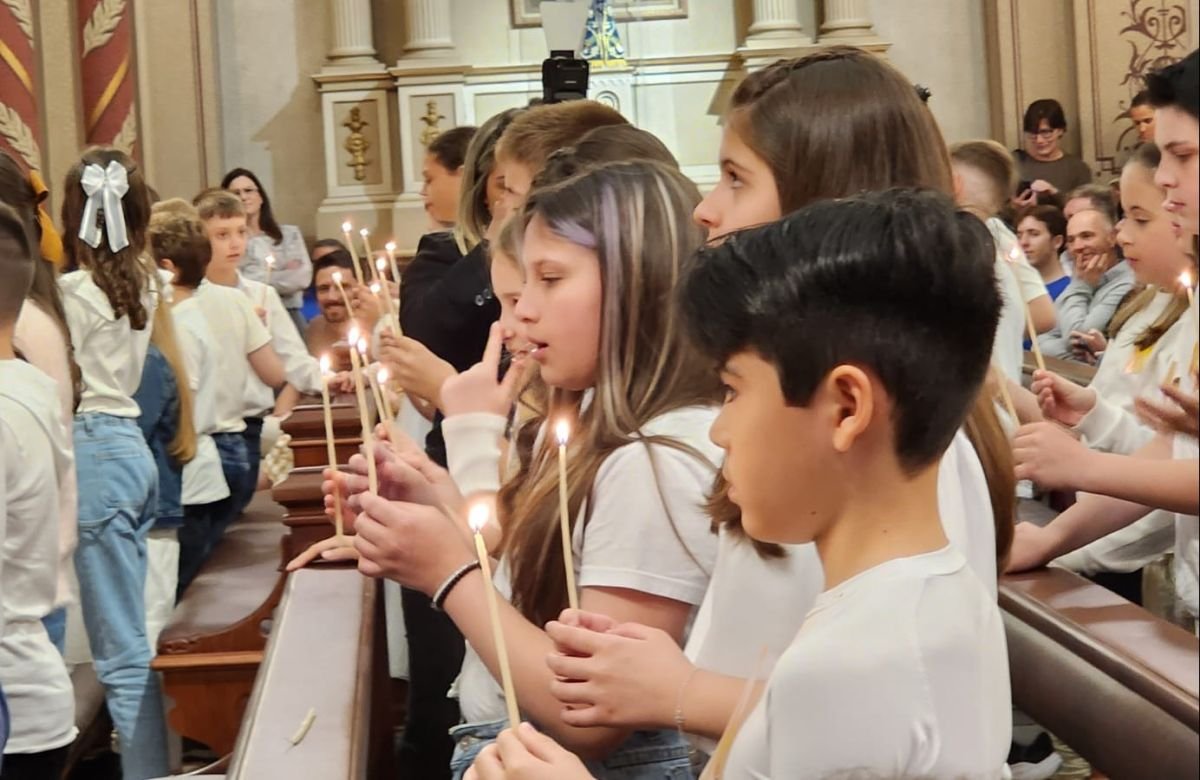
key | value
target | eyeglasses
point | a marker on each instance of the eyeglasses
(1044, 135)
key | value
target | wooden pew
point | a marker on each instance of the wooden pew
(1116, 683)
(326, 656)
(209, 653)
(1079, 373)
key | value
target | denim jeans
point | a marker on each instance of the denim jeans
(645, 755)
(197, 535)
(117, 496)
(241, 473)
(56, 628)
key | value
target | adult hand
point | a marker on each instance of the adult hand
(629, 676)
(1090, 269)
(415, 545)
(414, 366)
(330, 549)
(1032, 548)
(1048, 455)
(1043, 187)
(1026, 198)
(1179, 414)
(367, 308)
(477, 389)
(1092, 340)
(1061, 399)
(526, 754)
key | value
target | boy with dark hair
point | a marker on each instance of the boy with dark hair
(33, 451)
(852, 354)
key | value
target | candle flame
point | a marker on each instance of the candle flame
(337, 278)
(352, 334)
(380, 263)
(362, 346)
(346, 226)
(271, 260)
(324, 364)
(1014, 254)
(375, 287)
(562, 429)
(1185, 279)
(364, 232)
(390, 246)
(382, 375)
(477, 517)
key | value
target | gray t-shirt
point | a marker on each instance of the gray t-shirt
(1066, 173)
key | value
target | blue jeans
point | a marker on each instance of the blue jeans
(241, 474)
(117, 495)
(56, 628)
(646, 755)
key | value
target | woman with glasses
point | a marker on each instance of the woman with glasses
(1045, 168)
(292, 272)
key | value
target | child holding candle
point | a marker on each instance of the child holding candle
(639, 463)
(791, 127)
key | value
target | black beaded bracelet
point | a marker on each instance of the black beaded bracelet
(439, 596)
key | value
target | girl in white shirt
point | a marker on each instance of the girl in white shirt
(110, 303)
(1137, 359)
(601, 254)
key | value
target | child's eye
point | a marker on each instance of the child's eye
(729, 393)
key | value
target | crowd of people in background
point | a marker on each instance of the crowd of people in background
(734, 366)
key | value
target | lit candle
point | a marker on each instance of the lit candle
(563, 431)
(380, 288)
(267, 282)
(477, 519)
(356, 344)
(346, 226)
(1014, 257)
(391, 253)
(367, 246)
(382, 375)
(337, 280)
(330, 449)
(1185, 280)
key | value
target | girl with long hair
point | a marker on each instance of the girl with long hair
(110, 303)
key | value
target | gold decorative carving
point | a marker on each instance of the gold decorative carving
(1156, 36)
(431, 120)
(357, 143)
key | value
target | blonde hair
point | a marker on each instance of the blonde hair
(162, 335)
(997, 166)
(636, 217)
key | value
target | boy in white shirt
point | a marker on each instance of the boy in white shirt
(237, 346)
(851, 356)
(33, 445)
(224, 218)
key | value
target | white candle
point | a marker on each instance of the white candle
(330, 449)
(367, 246)
(1014, 256)
(477, 519)
(563, 431)
(346, 227)
(361, 395)
(267, 283)
(337, 280)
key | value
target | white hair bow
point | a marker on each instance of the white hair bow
(104, 188)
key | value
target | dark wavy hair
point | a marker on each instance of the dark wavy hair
(266, 217)
(124, 276)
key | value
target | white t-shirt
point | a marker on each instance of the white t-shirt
(302, 369)
(203, 477)
(42, 342)
(630, 541)
(1019, 283)
(110, 353)
(901, 671)
(36, 684)
(736, 619)
(237, 331)
(1124, 375)
(1187, 527)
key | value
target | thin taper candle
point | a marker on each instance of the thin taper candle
(367, 248)
(358, 274)
(1014, 257)
(563, 431)
(391, 253)
(337, 280)
(477, 519)
(331, 450)
(361, 395)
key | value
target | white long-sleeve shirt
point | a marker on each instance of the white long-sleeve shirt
(292, 273)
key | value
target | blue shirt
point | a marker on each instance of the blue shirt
(158, 398)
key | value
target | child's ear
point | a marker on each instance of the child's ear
(850, 391)
(1058, 243)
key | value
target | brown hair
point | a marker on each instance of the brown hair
(609, 143)
(450, 147)
(124, 276)
(216, 203)
(177, 234)
(1050, 216)
(1099, 195)
(536, 133)
(474, 211)
(997, 166)
(847, 110)
(842, 121)
(16, 263)
(636, 216)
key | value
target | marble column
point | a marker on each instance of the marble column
(427, 29)
(776, 24)
(353, 46)
(846, 21)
